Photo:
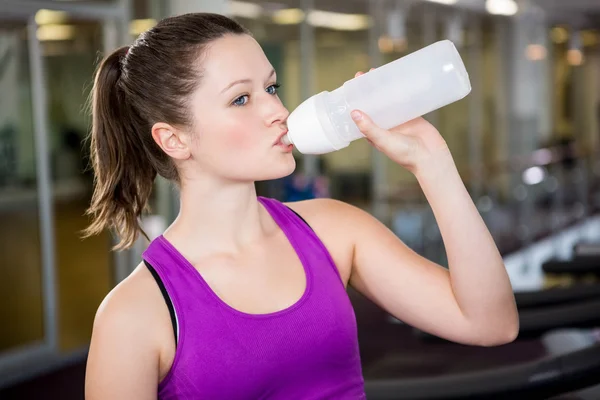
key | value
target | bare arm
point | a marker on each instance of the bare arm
(478, 277)
(124, 358)
(472, 302)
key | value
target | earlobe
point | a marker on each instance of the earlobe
(169, 139)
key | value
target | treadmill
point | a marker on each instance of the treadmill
(586, 250)
(557, 295)
(577, 266)
(540, 379)
(586, 261)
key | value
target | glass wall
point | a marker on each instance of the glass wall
(22, 308)
(51, 279)
(83, 267)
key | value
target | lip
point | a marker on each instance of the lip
(278, 140)
(286, 147)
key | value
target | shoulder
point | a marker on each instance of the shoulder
(128, 337)
(336, 223)
(317, 206)
(129, 309)
(330, 212)
(135, 295)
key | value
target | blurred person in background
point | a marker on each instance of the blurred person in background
(300, 186)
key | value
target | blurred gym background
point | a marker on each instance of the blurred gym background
(526, 142)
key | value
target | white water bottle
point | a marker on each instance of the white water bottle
(392, 94)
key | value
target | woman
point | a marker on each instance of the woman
(244, 297)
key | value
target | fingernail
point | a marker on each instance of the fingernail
(356, 115)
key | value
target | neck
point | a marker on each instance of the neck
(216, 217)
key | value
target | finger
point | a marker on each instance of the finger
(372, 132)
(359, 73)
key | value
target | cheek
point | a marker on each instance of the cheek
(226, 135)
(240, 135)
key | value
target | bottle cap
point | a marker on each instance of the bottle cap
(286, 140)
(310, 129)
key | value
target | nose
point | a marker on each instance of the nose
(276, 113)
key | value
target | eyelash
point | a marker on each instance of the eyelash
(275, 85)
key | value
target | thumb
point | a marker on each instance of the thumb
(368, 128)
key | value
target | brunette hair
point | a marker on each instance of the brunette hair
(135, 87)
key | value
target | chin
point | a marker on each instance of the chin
(279, 170)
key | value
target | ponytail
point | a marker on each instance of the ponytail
(124, 175)
(135, 87)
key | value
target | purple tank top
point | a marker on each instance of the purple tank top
(307, 351)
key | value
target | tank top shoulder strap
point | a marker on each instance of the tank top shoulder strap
(295, 226)
(173, 278)
(282, 214)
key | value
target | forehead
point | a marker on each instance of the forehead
(234, 57)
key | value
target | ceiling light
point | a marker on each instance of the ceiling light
(448, 2)
(45, 17)
(339, 21)
(55, 32)
(501, 7)
(137, 26)
(288, 16)
(244, 9)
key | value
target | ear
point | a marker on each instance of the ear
(171, 140)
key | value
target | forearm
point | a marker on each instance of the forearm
(478, 276)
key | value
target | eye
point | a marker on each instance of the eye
(241, 101)
(273, 88)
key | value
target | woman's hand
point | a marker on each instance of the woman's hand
(413, 144)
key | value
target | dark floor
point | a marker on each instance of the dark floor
(64, 384)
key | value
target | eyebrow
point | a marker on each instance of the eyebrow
(232, 84)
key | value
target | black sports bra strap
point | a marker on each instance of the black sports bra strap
(165, 294)
(303, 220)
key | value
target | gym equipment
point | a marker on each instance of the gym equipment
(532, 380)
(537, 321)
(586, 250)
(577, 267)
(558, 295)
(559, 374)
(586, 260)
